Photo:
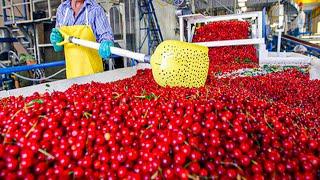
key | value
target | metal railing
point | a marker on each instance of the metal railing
(256, 29)
(28, 7)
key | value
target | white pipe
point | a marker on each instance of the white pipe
(49, 9)
(181, 28)
(189, 32)
(124, 30)
(259, 30)
(279, 42)
(231, 42)
(225, 17)
(114, 50)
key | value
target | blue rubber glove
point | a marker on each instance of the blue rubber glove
(104, 50)
(56, 37)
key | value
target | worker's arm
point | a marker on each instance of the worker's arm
(59, 16)
(103, 33)
(55, 36)
(101, 26)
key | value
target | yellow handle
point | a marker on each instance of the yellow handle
(65, 36)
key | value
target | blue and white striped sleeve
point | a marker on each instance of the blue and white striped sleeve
(101, 26)
(59, 16)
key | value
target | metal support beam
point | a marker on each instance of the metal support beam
(228, 9)
(8, 40)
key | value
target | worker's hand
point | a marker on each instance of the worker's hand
(104, 50)
(56, 37)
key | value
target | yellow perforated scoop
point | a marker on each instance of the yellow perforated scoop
(174, 63)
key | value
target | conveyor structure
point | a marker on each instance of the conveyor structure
(257, 37)
(289, 42)
(62, 85)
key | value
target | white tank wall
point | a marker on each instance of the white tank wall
(62, 85)
(167, 19)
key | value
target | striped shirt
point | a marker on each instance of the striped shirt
(97, 18)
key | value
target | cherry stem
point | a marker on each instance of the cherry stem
(231, 163)
(142, 97)
(46, 153)
(145, 115)
(239, 177)
(16, 113)
(5, 137)
(254, 162)
(193, 177)
(230, 124)
(207, 93)
(25, 108)
(185, 166)
(155, 175)
(269, 125)
(87, 115)
(150, 126)
(117, 95)
(31, 129)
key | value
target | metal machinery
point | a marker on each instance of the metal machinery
(184, 7)
(150, 30)
(289, 43)
(25, 20)
(21, 17)
(9, 58)
(6, 51)
(257, 38)
(149, 26)
(293, 36)
(6, 46)
(256, 27)
(257, 20)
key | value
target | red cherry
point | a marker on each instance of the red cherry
(78, 172)
(245, 147)
(122, 172)
(40, 168)
(231, 173)
(194, 167)
(168, 173)
(256, 168)
(269, 166)
(179, 159)
(12, 163)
